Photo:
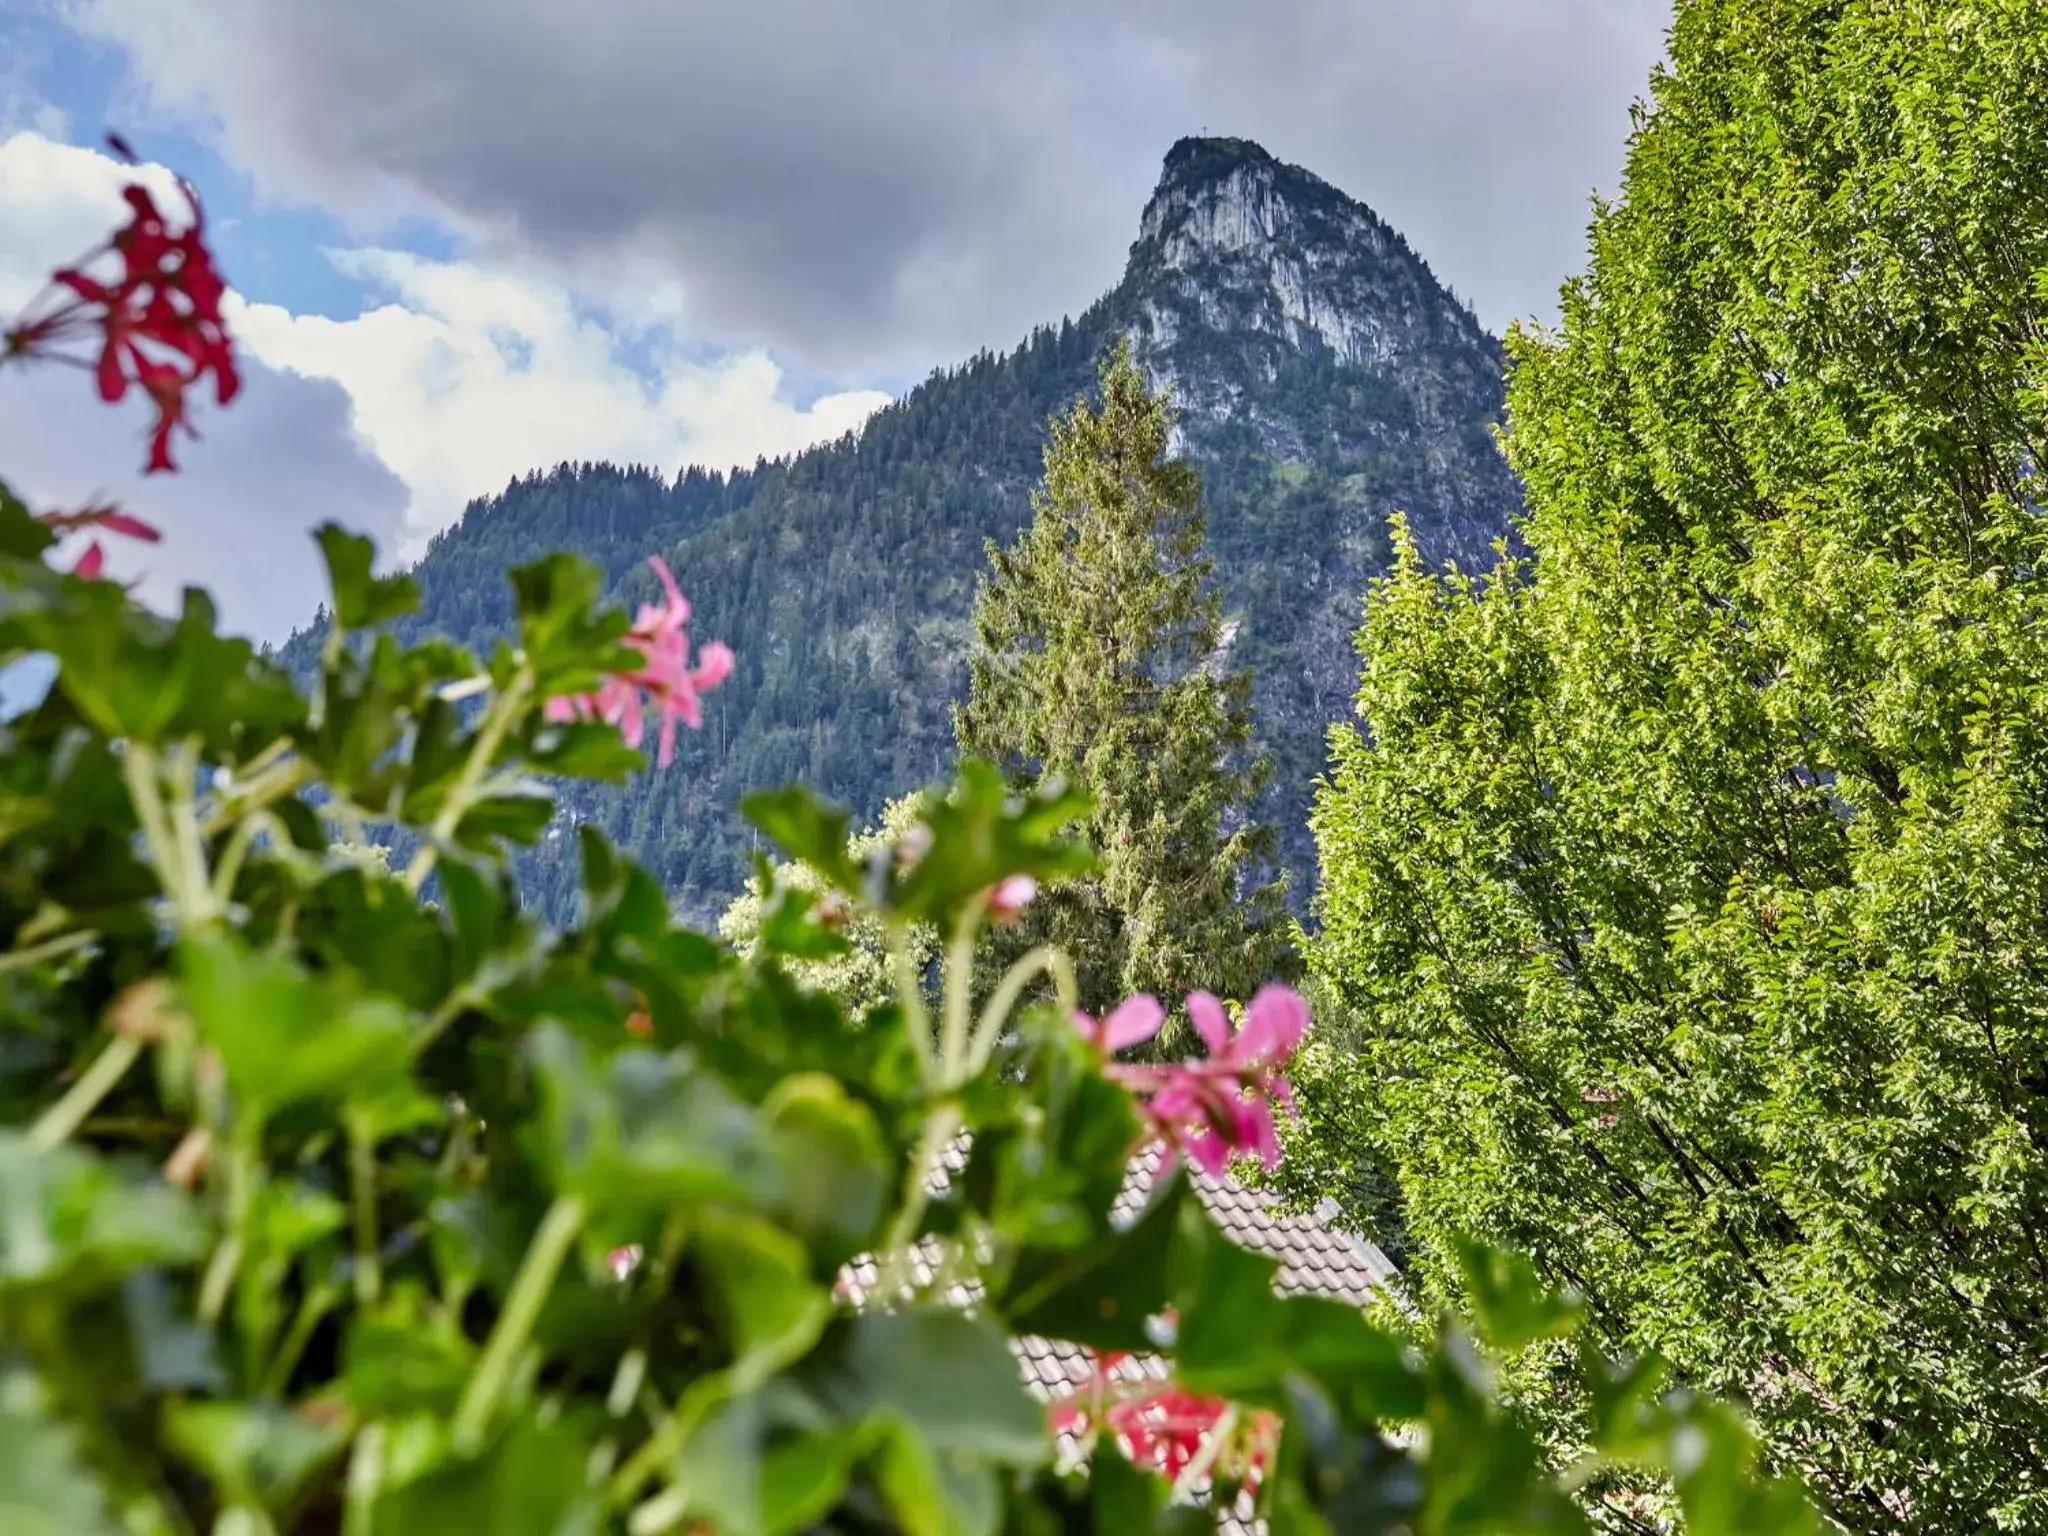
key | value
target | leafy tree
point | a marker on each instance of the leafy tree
(1690, 884)
(859, 970)
(1102, 656)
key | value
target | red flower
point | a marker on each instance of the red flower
(1161, 1426)
(112, 519)
(666, 680)
(157, 322)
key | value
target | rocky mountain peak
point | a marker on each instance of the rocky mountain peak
(1234, 240)
(1271, 301)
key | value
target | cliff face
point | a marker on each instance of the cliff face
(1254, 245)
(1324, 380)
(1271, 301)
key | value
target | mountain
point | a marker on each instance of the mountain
(1325, 379)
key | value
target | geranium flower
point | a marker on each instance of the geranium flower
(1006, 903)
(1219, 1105)
(666, 681)
(93, 561)
(156, 323)
(1131, 1022)
(1162, 1426)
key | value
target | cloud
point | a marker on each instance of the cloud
(469, 377)
(887, 185)
(461, 378)
(238, 517)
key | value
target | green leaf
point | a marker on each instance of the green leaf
(518, 818)
(791, 927)
(1485, 1471)
(398, 1362)
(1124, 1497)
(568, 640)
(808, 829)
(362, 600)
(259, 1453)
(749, 1475)
(1231, 1337)
(173, 1352)
(643, 1130)
(934, 1491)
(950, 1377)
(22, 535)
(284, 1035)
(1509, 1299)
(44, 1487)
(1102, 1295)
(981, 833)
(68, 1218)
(1334, 1478)
(583, 749)
(837, 1183)
(761, 1284)
(132, 674)
(529, 1483)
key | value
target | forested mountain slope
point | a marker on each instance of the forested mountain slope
(1325, 379)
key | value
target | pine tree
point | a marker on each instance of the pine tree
(1101, 654)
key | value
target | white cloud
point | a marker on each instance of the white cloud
(460, 378)
(56, 203)
(469, 376)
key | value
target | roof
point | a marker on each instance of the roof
(1315, 1260)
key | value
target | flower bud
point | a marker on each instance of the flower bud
(1006, 903)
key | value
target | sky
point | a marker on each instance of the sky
(470, 238)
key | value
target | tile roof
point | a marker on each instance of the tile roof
(1314, 1258)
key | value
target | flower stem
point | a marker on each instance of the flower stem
(959, 996)
(94, 1083)
(1206, 1455)
(910, 994)
(497, 721)
(939, 1129)
(315, 1305)
(49, 949)
(537, 1271)
(1047, 960)
(362, 1170)
(365, 1480)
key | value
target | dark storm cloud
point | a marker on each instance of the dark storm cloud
(238, 517)
(889, 183)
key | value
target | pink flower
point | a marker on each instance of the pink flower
(1222, 1104)
(915, 843)
(1006, 903)
(1132, 1021)
(666, 680)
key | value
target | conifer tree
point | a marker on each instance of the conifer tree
(1101, 654)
